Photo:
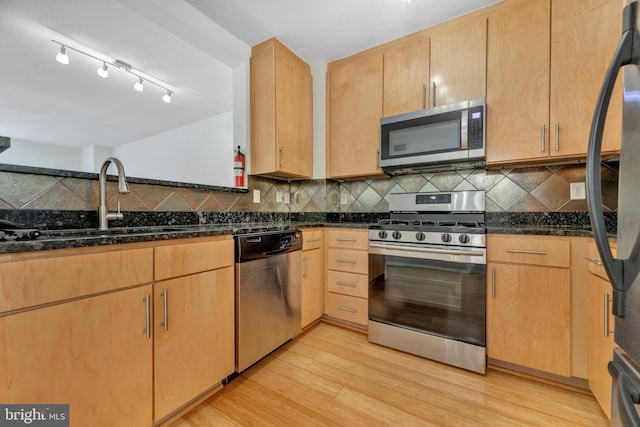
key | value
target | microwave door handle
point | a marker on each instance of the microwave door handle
(464, 130)
(614, 267)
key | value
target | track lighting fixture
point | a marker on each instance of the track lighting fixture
(103, 71)
(107, 61)
(62, 56)
(139, 86)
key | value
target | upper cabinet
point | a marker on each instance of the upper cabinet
(459, 61)
(281, 113)
(354, 109)
(546, 62)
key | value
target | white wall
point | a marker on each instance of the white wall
(204, 153)
(319, 74)
(241, 120)
(93, 156)
(35, 154)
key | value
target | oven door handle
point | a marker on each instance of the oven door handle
(426, 250)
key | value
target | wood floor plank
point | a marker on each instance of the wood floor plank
(331, 375)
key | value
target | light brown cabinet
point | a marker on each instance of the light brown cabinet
(281, 106)
(529, 302)
(354, 109)
(193, 322)
(348, 275)
(546, 62)
(601, 334)
(312, 276)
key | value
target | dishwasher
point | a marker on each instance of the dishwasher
(268, 295)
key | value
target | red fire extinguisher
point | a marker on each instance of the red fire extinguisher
(238, 167)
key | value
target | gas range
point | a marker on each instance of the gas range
(445, 219)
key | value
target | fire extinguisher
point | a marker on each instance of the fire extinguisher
(238, 167)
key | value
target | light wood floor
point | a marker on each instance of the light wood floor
(331, 376)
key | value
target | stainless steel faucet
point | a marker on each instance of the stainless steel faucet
(103, 212)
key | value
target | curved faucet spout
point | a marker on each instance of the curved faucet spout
(103, 212)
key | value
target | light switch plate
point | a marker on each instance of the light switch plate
(287, 197)
(577, 191)
(343, 199)
(278, 196)
(256, 196)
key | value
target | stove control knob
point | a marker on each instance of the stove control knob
(419, 236)
(382, 234)
(396, 235)
(463, 238)
(446, 237)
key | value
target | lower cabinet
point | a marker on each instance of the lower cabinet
(193, 337)
(312, 286)
(93, 354)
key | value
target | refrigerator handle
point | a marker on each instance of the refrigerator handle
(622, 56)
(628, 396)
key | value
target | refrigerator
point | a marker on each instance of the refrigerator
(623, 271)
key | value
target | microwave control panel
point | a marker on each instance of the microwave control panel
(476, 127)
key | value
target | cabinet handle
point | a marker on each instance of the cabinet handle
(281, 151)
(434, 95)
(346, 261)
(542, 132)
(607, 300)
(378, 159)
(165, 304)
(424, 96)
(345, 239)
(351, 285)
(557, 136)
(313, 240)
(493, 283)
(522, 251)
(147, 305)
(306, 267)
(350, 310)
(596, 261)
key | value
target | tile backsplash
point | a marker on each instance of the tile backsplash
(535, 189)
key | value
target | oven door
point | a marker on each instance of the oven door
(445, 296)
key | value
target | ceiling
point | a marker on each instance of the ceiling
(193, 45)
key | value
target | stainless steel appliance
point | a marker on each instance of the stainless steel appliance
(451, 133)
(623, 271)
(268, 278)
(430, 299)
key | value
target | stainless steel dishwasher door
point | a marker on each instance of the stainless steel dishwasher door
(267, 306)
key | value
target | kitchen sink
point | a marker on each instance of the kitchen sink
(111, 232)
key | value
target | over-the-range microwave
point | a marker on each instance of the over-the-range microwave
(453, 133)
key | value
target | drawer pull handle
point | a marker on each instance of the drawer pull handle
(345, 239)
(350, 310)
(523, 251)
(351, 285)
(607, 331)
(313, 240)
(347, 261)
(596, 261)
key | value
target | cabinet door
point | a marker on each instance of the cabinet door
(584, 36)
(91, 354)
(459, 62)
(600, 342)
(194, 336)
(312, 286)
(518, 82)
(355, 109)
(406, 77)
(294, 116)
(528, 317)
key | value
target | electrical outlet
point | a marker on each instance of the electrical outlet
(287, 197)
(256, 196)
(343, 199)
(577, 191)
(278, 196)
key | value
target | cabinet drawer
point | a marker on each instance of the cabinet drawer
(348, 260)
(534, 250)
(594, 264)
(189, 258)
(311, 239)
(349, 239)
(348, 283)
(39, 281)
(348, 308)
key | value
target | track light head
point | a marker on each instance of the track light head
(103, 71)
(167, 97)
(139, 86)
(62, 56)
